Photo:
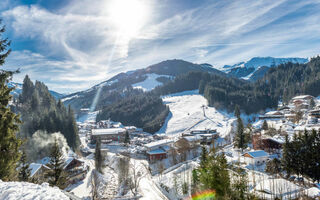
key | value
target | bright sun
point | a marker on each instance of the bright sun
(128, 16)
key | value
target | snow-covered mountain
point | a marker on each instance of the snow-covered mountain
(257, 66)
(18, 90)
(146, 79)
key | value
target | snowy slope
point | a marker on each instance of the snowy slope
(29, 191)
(150, 82)
(186, 113)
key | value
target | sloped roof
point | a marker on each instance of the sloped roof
(156, 151)
(301, 97)
(34, 167)
(107, 131)
(257, 154)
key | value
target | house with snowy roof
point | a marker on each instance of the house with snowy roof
(38, 172)
(108, 134)
(272, 115)
(256, 157)
(188, 142)
(76, 169)
(158, 150)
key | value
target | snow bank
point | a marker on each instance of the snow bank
(26, 191)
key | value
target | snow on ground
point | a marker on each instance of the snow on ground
(83, 188)
(269, 188)
(69, 98)
(29, 191)
(90, 117)
(150, 82)
(186, 113)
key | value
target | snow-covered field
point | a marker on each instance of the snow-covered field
(29, 191)
(150, 82)
(186, 113)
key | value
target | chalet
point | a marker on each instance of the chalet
(290, 116)
(315, 113)
(76, 170)
(272, 115)
(159, 143)
(158, 150)
(156, 154)
(268, 144)
(38, 172)
(303, 98)
(108, 134)
(256, 157)
(187, 143)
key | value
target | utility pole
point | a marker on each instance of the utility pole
(203, 109)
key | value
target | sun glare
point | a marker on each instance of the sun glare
(128, 16)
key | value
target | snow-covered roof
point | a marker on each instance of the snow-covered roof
(257, 154)
(308, 128)
(34, 167)
(193, 138)
(158, 143)
(278, 139)
(69, 160)
(301, 97)
(108, 131)
(156, 151)
(276, 112)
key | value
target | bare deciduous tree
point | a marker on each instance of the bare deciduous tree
(135, 177)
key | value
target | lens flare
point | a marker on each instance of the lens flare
(204, 195)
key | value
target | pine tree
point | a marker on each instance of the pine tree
(203, 157)
(24, 172)
(240, 135)
(127, 138)
(237, 111)
(195, 181)
(98, 157)
(312, 104)
(73, 140)
(56, 176)
(9, 143)
(216, 176)
(264, 125)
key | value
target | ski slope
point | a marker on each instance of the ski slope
(150, 82)
(186, 113)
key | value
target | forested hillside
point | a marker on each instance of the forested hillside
(279, 83)
(222, 92)
(116, 87)
(40, 111)
(145, 111)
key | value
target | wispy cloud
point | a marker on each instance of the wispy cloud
(70, 48)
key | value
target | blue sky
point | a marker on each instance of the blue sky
(72, 45)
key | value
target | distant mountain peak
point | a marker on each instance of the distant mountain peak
(246, 69)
